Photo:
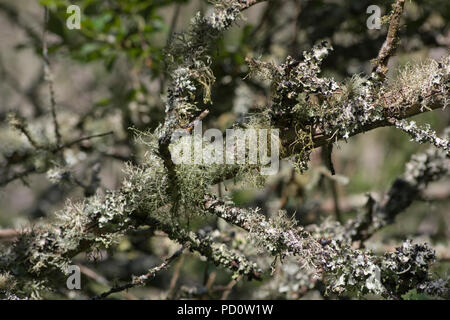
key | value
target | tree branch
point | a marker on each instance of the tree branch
(391, 42)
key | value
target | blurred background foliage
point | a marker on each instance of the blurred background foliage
(112, 75)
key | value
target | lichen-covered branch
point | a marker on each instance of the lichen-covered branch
(422, 135)
(279, 237)
(421, 170)
(40, 256)
(343, 269)
(191, 73)
(216, 253)
(310, 110)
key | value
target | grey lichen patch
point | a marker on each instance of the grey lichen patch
(436, 288)
(407, 267)
(292, 281)
(358, 272)
(351, 271)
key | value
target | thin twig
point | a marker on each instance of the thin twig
(173, 24)
(18, 175)
(202, 116)
(175, 276)
(78, 140)
(334, 192)
(211, 278)
(22, 127)
(229, 287)
(92, 274)
(143, 279)
(49, 78)
(9, 234)
(32, 169)
(250, 3)
(170, 35)
(391, 42)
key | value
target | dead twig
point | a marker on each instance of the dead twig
(143, 279)
(49, 77)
